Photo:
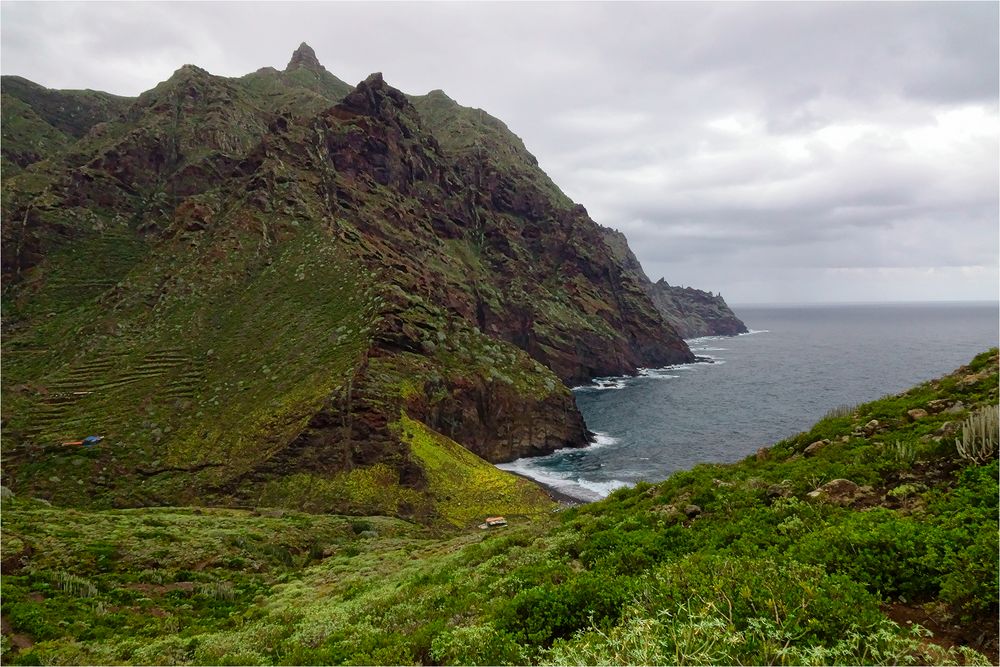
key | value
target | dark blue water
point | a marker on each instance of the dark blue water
(799, 362)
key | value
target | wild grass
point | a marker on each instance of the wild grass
(845, 410)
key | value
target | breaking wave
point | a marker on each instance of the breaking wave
(564, 481)
(546, 470)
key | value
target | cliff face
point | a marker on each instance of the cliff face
(690, 312)
(694, 312)
(253, 285)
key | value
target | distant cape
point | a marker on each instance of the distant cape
(691, 312)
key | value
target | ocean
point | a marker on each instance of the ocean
(796, 364)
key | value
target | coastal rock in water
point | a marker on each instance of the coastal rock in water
(694, 312)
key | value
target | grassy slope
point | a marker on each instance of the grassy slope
(73, 112)
(301, 91)
(38, 122)
(195, 378)
(466, 488)
(27, 137)
(763, 574)
(475, 135)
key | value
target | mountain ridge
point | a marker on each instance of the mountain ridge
(250, 298)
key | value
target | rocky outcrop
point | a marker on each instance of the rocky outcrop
(522, 237)
(841, 492)
(304, 57)
(694, 312)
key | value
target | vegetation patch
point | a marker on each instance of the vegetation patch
(762, 573)
(466, 489)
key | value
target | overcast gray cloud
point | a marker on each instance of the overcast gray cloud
(774, 152)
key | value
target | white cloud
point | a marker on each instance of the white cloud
(776, 149)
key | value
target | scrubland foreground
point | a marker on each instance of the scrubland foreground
(870, 539)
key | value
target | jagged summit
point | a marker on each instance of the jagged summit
(369, 96)
(305, 57)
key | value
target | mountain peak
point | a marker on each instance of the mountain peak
(374, 97)
(304, 56)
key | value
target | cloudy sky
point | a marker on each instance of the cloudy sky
(782, 152)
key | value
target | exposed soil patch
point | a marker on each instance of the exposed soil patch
(186, 586)
(17, 640)
(981, 636)
(13, 563)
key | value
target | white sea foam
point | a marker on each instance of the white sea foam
(601, 488)
(603, 384)
(558, 480)
(704, 339)
(600, 440)
(622, 381)
(563, 481)
(656, 373)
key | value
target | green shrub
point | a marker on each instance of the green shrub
(843, 410)
(890, 554)
(477, 645)
(74, 585)
(716, 610)
(904, 452)
(704, 635)
(539, 615)
(971, 582)
(803, 599)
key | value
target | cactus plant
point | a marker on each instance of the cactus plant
(979, 435)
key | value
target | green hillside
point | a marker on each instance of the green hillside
(870, 539)
(39, 123)
(244, 284)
